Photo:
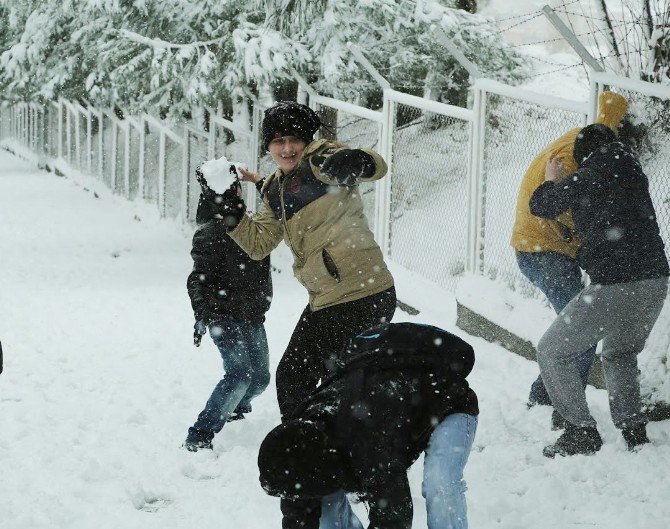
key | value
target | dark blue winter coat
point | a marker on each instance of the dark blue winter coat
(396, 384)
(613, 214)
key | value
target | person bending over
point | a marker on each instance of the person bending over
(397, 390)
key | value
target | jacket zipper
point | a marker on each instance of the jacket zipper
(283, 214)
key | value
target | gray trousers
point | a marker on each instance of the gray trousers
(622, 316)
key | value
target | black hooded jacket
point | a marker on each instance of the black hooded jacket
(225, 280)
(613, 214)
(380, 412)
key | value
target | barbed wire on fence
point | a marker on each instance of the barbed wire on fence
(590, 17)
(558, 39)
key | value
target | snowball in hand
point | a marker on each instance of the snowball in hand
(218, 175)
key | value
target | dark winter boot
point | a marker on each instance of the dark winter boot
(575, 440)
(239, 413)
(635, 436)
(198, 440)
(557, 421)
(194, 446)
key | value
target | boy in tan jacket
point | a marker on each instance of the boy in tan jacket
(313, 203)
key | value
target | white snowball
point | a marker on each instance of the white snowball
(218, 175)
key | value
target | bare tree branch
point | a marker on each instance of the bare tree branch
(608, 20)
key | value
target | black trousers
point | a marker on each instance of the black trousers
(318, 337)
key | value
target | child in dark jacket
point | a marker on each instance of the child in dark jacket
(230, 294)
(398, 390)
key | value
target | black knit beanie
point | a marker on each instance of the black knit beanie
(296, 460)
(288, 118)
(590, 139)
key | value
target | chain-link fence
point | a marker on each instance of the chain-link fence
(438, 182)
(648, 131)
(515, 132)
(429, 193)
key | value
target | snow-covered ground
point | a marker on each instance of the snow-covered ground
(101, 382)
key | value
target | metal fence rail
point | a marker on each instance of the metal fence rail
(448, 203)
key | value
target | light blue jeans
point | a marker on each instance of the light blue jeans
(443, 484)
(336, 513)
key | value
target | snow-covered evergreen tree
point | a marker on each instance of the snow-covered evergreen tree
(396, 37)
(172, 55)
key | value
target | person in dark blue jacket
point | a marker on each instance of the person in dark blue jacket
(230, 294)
(624, 255)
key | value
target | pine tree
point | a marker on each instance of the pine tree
(169, 56)
(395, 36)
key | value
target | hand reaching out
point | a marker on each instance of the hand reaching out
(248, 176)
(554, 170)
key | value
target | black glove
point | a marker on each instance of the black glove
(227, 206)
(231, 208)
(346, 166)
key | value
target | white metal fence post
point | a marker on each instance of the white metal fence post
(161, 174)
(383, 186)
(101, 143)
(68, 133)
(22, 125)
(473, 182)
(126, 161)
(477, 184)
(185, 181)
(140, 176)
(31, 126)
(60, 128)
(255, 138)
(77, 138)
(28, 118)
(211, 136)
(594, 91)
(112, 155)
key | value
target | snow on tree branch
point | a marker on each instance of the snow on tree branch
(162, 44)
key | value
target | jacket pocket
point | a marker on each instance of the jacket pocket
(330, 265)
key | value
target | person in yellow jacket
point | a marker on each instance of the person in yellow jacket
(546, 250)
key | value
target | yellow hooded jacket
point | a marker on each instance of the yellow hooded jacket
(533, 234)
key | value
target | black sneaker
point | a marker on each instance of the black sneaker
(194, 446)
(557, 421)
(635, 436)
(575, 440)
(239, 413)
